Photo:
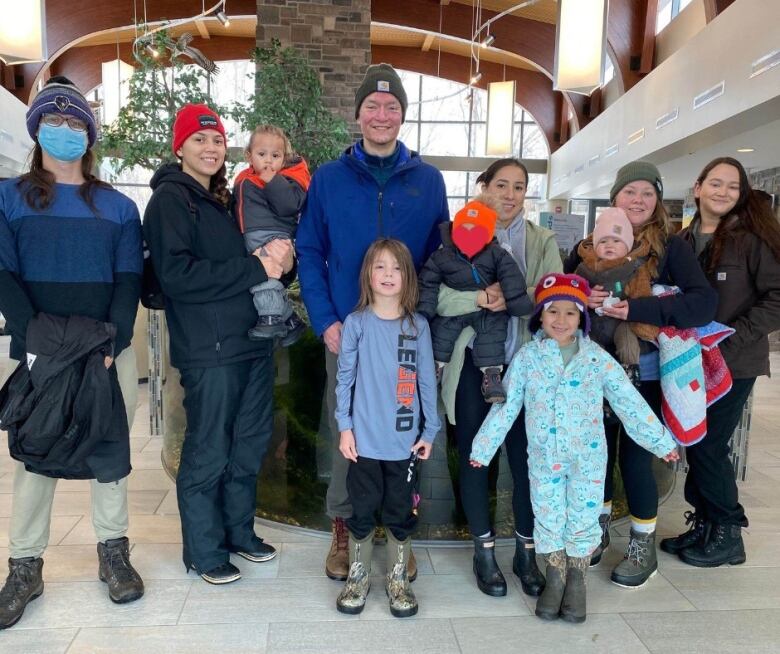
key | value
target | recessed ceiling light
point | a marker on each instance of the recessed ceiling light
(746, 149)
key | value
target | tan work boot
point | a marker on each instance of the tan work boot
(337, 561)
(352, 598)
(403, 603)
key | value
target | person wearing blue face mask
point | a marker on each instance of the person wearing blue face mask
(63, 137)
(70, 245)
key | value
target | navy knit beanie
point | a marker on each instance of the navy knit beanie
(60, 96)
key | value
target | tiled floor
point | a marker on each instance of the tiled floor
(288, 605)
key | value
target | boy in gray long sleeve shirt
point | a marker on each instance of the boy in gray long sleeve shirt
(384, 410)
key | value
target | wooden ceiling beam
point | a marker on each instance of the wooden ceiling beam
(531, 39)
(68, 21)
(534, 91)
(83, 65)
(203, 29)
(428, 42)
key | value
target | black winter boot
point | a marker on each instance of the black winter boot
(548, 606)
(124, 583)
(694, 535)
(524, 566)
(23, 584)
(573, 604)
(268, 327)
(605, 520)
(492, 388)
(295, 328)
(723, 545)
(490, 580)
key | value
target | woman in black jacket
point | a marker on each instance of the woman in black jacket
(638, 190)
(205, 274)
(737, 240)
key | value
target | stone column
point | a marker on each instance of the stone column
(333, 34)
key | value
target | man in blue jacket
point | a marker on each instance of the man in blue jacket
(376, 188)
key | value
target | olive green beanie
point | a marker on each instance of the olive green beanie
(382, 78)
(636, 171)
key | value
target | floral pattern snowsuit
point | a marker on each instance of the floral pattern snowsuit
(567, 450)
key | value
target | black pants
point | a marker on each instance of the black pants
(229, 413)
(375, 485)
(636, 463)
(470, 411)
(710, 486)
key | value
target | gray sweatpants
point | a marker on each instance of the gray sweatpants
(337, 504)
(270, 298)
(34, 494)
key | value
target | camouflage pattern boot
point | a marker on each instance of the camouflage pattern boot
(352, 598)
(403, 603)
(639, 562)
(573, 604)
(548, 606)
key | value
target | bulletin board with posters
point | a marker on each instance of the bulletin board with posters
(569, 228)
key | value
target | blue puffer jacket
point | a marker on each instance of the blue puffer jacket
(346, 210)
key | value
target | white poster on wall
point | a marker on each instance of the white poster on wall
(569, 228)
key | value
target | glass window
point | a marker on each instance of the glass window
(409, 136)
(442, 102)
(664, 15)
(478, 140)
(536, 186)
(411, 82)
(456, 181)
(444, 139)
(609, 70)
(479, 105)
(534, 144)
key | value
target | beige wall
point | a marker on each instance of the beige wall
(689, 22)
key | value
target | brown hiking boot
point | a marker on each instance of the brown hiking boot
(337, 562)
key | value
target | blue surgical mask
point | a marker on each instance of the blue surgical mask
(62, 143)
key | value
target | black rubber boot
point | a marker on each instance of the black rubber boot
(548, 606)
(694, 535)
(524, 566)
(605, 520)
(490, 580)
(723, 545)
(573, 606)
(124, 583)
(23, 584)
(295, 328)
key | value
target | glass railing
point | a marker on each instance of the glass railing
(295, 474)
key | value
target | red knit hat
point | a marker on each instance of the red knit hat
(193, 118)
(557, 286)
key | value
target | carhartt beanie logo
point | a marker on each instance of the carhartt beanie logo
(381, 78)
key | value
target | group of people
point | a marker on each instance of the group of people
(498, 327)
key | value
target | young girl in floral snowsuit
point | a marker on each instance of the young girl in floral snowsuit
(562, 378)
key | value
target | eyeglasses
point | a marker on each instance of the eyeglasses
(55, 120)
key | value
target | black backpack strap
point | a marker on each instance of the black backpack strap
(185, 195)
